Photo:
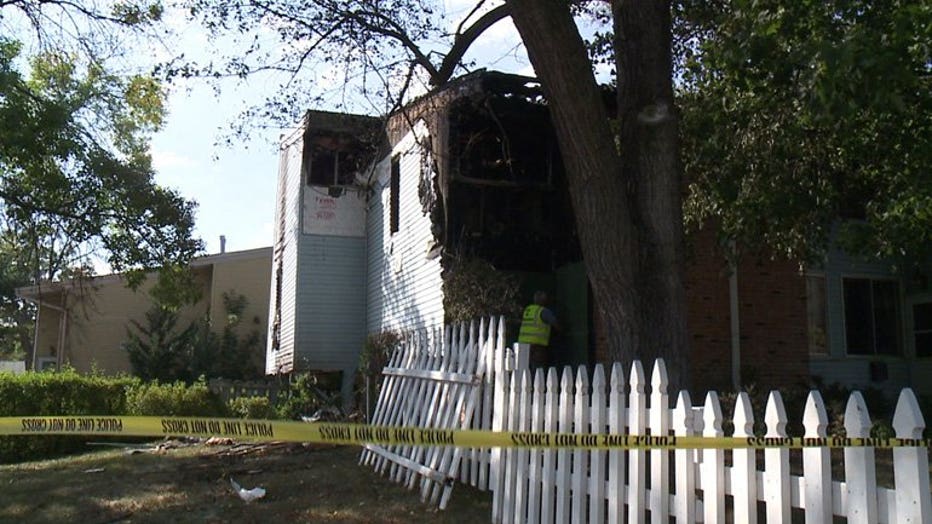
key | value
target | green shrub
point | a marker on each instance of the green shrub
(174, 399)
(305, 397)
(375, 355)
(47, 394)
(252, 407)
(473, 288)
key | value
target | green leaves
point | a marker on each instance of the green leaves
(74, 165)
(797, 114)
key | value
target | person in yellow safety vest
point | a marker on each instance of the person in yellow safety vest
(536, 324)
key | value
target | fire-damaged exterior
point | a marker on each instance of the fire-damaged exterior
(374, 214)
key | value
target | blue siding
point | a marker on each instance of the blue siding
(331, 303)
(854, 371)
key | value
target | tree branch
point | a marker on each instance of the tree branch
(462, 41)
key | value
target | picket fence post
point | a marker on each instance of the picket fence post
(548, 479)
(617, 416)
(713, 463)
(564, 423)
(580, 465)
(597, 457)
(685, 473)
(537, 425)
(659, 459)
(817, 463)
(637, 460)
(776, 463)
(485, 417)
(911, 464)
(744, 464)
(508, 501)
(523, 412)
(499, 419)
(860, 470)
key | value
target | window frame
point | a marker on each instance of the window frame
(827, 350)
(914, 330)
(899, 314)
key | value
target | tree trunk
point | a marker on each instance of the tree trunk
(626, 196)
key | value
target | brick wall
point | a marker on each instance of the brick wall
(772, 313)
(706, 283)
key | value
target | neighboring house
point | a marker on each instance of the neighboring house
(83, 323)
(373, 213)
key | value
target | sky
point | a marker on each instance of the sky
(235, 186)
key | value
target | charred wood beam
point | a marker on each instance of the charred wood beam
(473, 181)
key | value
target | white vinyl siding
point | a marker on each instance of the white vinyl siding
(405, 288)
(289, 188)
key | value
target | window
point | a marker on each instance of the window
(872, 316)
(816, 314)
(922, 329)
(332, 168)
(394, 187)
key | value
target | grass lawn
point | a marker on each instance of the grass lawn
(192, 484)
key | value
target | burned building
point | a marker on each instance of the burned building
(374, 214)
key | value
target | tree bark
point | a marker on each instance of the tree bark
(626, 194)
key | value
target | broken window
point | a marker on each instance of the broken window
(872, 316)
(507, 188)
(332, 168)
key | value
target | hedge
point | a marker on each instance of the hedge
(69, 393)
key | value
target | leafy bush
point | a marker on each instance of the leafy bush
(305, 397)
(473, 288)
(252, 407)
(47, 394)
(159, 349)
(374, 357)
(174, 399)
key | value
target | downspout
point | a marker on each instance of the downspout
(35, 341)
(735, 321)
(62, 333)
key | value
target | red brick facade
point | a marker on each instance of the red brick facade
(772, 313)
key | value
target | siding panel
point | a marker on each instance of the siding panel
(331, 302)
(285, 249)
(405, 288)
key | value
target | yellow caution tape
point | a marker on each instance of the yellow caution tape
(338, 433)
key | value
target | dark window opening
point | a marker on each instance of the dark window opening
(872, 316)
(394, 187)
(922, 329)
(332, 168)
(508, 186)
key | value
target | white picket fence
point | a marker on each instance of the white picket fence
(435, 380)
(467, 377)
(548, 485)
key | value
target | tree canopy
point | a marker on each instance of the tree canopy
(76, 180)
(801, 117)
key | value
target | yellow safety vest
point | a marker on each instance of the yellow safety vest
(533, 328)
